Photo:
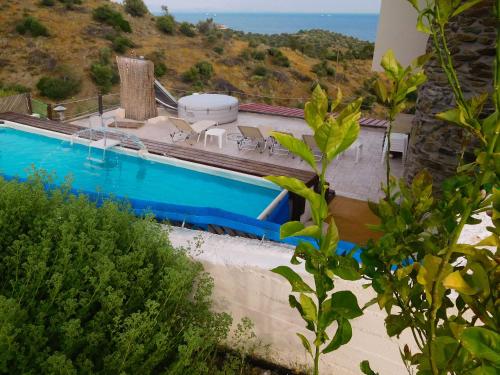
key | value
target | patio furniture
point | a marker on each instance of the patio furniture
(253, 139)
(219, 133)
(276, 148)
(311, 142)
(185, 130)
(358, 147)
(399, 143)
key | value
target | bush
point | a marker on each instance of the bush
(121, 44)
(14, 89)
(87, 290)
(47, 3)
(70, 4)
(201, 72)
(260, 71)
(166, 24)
(205, 27)
(323, 69)
(136, 8)
(219, 50)
(107, 15)
(278, 58)
(258, 55)
(60, 87)
(30, 25)
(187, 29)
(158, 58)
(104, 76)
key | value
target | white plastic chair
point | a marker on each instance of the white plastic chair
(399, 143)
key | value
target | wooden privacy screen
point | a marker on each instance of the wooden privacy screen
(137, 94)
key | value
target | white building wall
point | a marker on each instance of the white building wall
(397, 30)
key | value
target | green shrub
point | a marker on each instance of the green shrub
(30, 25)
(107, 15)
(121, 44)
(87, 290)
(166, 24)
(258, 55)
(60, 87)
(323, 69)
(187, 29)
(47, 3)
(219, 50)
(70, 4)
(136, 8)
(104, 76)
(201, 72)
(260, 71)
(12, 89)
(158, 58)
(278, 58)
(205, 27)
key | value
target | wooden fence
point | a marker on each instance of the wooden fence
(20, 103)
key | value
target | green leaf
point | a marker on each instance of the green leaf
(484, 370)
(482, 343)
(421, 23)
(305, 343)
(466, 5)
(342, 336)
(308, 307)
(296, 147)
(318, 204)
(381, 90)
(288, 229)
(337, 100)
(365, 366)
(395, 324)
(390, 64)
(427, 276)
(315, 110)
(345, 304)
(455, 281)
(298, 285)
(347, 268)
(331, 239)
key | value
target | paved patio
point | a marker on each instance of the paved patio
(360, 180)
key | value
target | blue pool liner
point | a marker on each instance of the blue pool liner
(203, 216)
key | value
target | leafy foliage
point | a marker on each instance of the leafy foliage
(278, 57)
(136, 8)
(109, 16)
(30, 25)
(201, 72)
(319, 44)
(166, 24)
(97, 290)
(442, 291)
(187, 29)
(64, 85)
(333, 135)
(121, 44)
(323, 69)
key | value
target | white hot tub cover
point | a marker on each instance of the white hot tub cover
(216, 107)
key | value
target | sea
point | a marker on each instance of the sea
(361, 26)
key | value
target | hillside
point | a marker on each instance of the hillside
(240, 62)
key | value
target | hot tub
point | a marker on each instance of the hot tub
(216, 107)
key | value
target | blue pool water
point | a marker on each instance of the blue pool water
(128, 176)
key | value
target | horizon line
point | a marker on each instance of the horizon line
(260, 12)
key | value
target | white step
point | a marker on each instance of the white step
(104, 144)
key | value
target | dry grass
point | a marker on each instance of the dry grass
(70, 44)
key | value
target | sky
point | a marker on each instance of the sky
(309, 6)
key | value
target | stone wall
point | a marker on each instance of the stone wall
(435, 145)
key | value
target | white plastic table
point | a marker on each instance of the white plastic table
(215, 132)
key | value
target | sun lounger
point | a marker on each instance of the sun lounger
(275, 148)
(252, 139)
(185, 130)
(311, 142)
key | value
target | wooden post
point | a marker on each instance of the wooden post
(50, 113)
(137, 94)
(99, 103)
(28, 101)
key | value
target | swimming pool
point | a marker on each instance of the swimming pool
(125, 175)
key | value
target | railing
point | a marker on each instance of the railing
(83, 107)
